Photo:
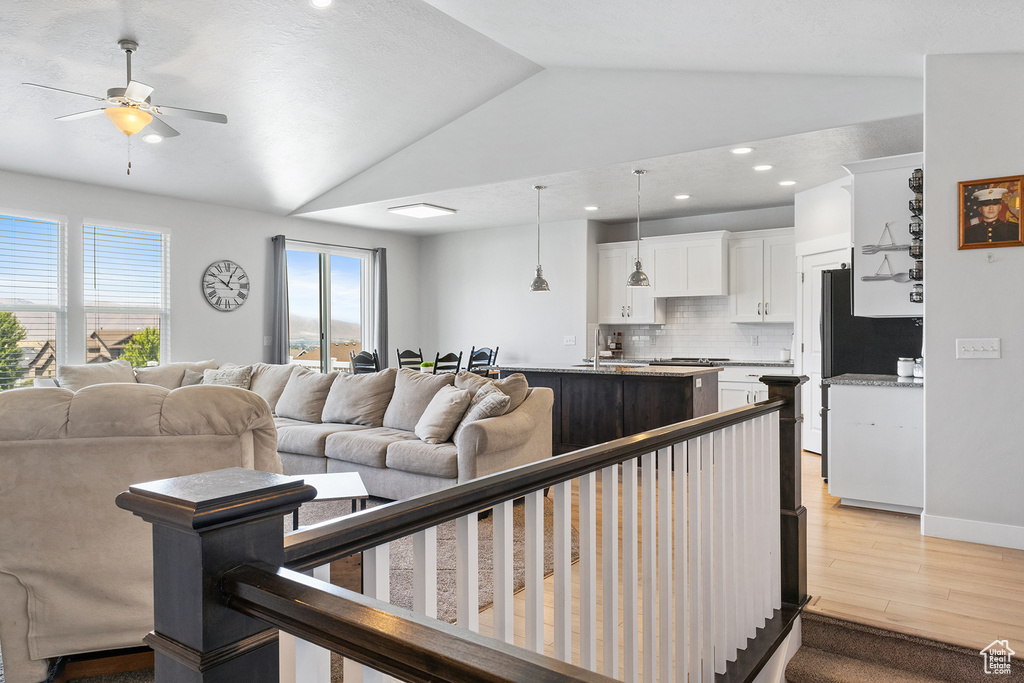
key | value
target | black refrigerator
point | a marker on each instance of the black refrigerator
(857, 344)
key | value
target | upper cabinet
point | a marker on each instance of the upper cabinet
(762, 277)
(881, 198)
(618, 304)
(688, 265)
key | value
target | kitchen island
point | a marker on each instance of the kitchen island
(597, 405)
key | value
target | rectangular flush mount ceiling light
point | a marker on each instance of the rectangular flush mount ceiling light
(421, 210)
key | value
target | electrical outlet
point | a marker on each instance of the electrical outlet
(698, 382)
(569, 340)
(267, 341)
(979, 348)
(753, 340)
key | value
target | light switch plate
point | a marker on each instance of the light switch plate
(979, 348)
(569, 340)
(266, 341)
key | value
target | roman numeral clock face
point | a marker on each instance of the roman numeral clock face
(225, 285)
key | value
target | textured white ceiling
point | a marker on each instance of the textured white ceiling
(315, 98)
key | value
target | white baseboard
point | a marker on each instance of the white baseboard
(987, 533)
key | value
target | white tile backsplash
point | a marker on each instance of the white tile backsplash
(699, 327)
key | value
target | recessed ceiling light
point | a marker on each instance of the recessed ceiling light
(421, 210)
(787, 182)
(320, 4)
(682, 196)
(591, 208)
(152, 138)
(742, 150)
(763, 167)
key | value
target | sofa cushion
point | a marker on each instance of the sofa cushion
(237, 376)
(101, 410)
(442, 415)
(192, 378)
(360, 399)
(269, 381)
(34, 413)
(514, 386)
(413, 392)
(75, 377)
(365, 446)
(488, 402)
(170, 375)
(309, 439)
(434, 460)
(304, 395)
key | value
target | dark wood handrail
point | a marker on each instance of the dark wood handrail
(323, 543)
(387, 638)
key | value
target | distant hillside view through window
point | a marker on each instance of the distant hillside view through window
(326, 294)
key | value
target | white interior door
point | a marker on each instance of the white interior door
(810, 342)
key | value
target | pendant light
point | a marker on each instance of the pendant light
(539, 284)
(638, 278)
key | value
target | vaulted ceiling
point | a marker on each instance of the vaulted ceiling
(338, 113)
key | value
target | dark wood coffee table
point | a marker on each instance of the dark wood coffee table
(334, 486)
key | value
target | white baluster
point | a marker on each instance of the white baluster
(562, 498)
(424, 572)
(535, 571)
(680, 550)
(729, 541)
(664, 594)
(648, 496)
(630, 575)
(707, 556)
(610, 570)
(773, 442)
(504, 613)
(467, 575)
(719, 542)
(588, 570)
(693, 513)
(376, 584)
(750, 529)
(301, 661)
(769, 517)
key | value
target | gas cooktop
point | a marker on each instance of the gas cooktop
(689, 361)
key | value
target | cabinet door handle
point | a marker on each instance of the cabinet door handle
(629, 311)
(759, 309)
(766, 308)
(623, 311)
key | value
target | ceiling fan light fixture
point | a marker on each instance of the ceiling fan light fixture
(128, 120)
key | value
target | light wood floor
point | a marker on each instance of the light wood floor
(876, 568)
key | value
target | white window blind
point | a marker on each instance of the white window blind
(125, 294)
(31, 299)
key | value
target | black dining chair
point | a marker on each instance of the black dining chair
(449, 362)
(364, 362)
(410, 359)
(480, 360)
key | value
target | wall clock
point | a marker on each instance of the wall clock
(225, 285)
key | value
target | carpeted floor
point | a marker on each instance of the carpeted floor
(401, 557)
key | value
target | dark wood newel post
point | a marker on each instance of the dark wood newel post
(203, 525)
(793, 513)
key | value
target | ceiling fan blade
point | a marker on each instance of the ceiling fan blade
(162, 129)
(71, 92)
(190, 113)
(137, 91)
(80, 115)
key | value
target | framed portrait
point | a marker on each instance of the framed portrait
(990, 213)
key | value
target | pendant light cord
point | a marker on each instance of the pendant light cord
(538, 188)
(638, 173)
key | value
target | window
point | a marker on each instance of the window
(31, 299)
(125, 294)
(329, 298)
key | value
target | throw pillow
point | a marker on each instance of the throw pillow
(488, 402)
(360, 399)
(269, 381)
(171, 375)
(443, 414)
(514, 386)
(75, 377)
(413, 391)
(304, 396)
(192, 377)
(238, 376)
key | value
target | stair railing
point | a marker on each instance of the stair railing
(711, 579)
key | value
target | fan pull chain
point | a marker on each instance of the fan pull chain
(129, 149)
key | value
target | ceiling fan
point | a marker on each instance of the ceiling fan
(130, 108)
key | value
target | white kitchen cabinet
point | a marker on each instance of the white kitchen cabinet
(739, 386)
(881, 196)
(616, 303)
(876, 446)
(762, 277)
(689, 265)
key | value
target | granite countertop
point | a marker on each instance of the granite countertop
(857, 380)
(732, 363)
(588, 369)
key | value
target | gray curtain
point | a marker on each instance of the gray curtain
(279, 336)
(380, 305)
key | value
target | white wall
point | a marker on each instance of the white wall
(475, 292)
(824, 211)
(200, 234)
(974, 434)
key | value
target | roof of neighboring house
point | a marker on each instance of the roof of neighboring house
(339, 351)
